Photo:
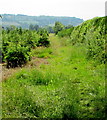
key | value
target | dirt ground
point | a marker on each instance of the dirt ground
(35, 62)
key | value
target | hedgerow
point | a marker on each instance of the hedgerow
(92, 33)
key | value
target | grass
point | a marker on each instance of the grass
(42, 52)
(70, 86)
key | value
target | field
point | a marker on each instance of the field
(62, 80)
(63, 84)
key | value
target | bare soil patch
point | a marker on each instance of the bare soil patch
(35, 62)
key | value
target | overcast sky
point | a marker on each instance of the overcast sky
(85, 9)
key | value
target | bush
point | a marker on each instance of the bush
(17, 56)
(43, 41)
(17, 44)
(65, 32)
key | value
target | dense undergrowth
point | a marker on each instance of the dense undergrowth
(69, 86)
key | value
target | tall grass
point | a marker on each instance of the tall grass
(69, 87)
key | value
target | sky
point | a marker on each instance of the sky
(84, 9)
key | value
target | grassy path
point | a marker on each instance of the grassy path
(66, 85)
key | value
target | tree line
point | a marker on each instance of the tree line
(51, 29)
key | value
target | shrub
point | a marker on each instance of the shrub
(43, 41)
(17, 44)
(65, 32)
(17, 56)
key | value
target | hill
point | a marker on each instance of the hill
(24, 20)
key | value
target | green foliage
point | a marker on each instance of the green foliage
(96, 46)
(92, 34)
(43, 41)
(65, 32)
(42, 31)
(68, 26)
(26, 105)
(17, 56)
(58, 27)
(42, 52)
(69, 87)
(49, 29)
(33, 27)
(17, 44)
(34, 77)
